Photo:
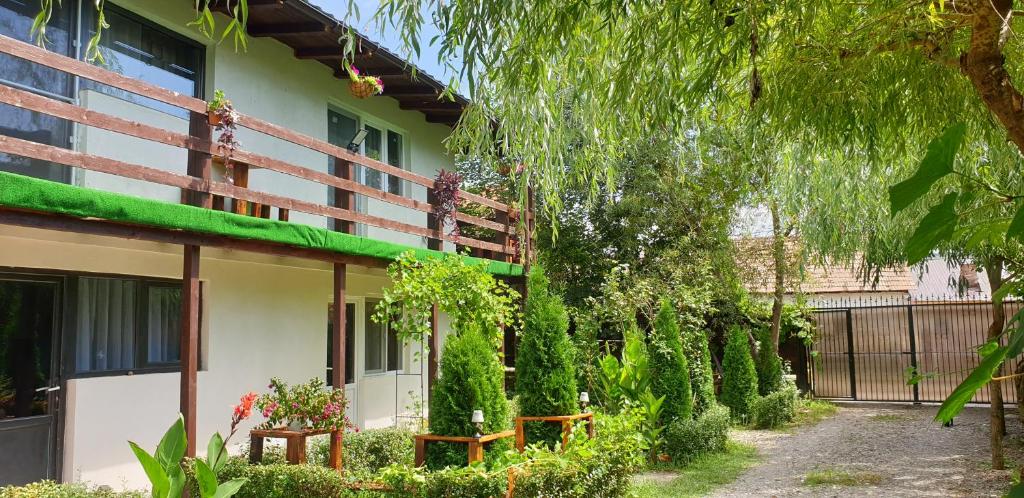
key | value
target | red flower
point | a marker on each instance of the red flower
(243, 409)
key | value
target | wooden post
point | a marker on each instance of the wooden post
(476, 452)
(421, 452)
(345, 199)
(520, 435)
(255, 449)
(338, 330)
(435, 346)
(200, 164)
(189, 342)
(335, 457)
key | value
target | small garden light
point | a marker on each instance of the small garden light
(478, 421)
(584, 400)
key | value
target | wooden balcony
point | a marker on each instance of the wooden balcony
(199, 187)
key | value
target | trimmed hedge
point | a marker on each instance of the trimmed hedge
(739, 377)
(775, 409)
(50, 489)
(670, 373)
(366, 452)
(279, 480)
(708, 433)
(471, 378)
(545, 374)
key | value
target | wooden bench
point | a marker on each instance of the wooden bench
(565, 420)
(476, 444)
(295, 449)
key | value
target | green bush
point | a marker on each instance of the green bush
(365, 452)
(708, 433)
(702, 378)
(471, 378)
(50, 489)
(545, 374)
(739, 377)
(670, 373)
(283, 480)
(769, 366)
(775, 409)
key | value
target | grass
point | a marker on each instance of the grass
(810, 411)
(704, 474)
(837, 477)
(890, 417)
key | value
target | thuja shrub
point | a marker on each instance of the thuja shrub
(545, 374)
(689, 439)
(470, 378)
(281, 480)
(702, 379)
(50, 489)
(670, 374)
(769, 366)
(776, 409)
(739, 377)
(366, 452)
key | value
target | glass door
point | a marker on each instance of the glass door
(29, 384)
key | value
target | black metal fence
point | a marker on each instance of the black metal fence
(868, 349)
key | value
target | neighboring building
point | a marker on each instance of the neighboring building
(96, 305)
(938, 280)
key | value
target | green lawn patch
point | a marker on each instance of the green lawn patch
(810, 411)
(838, 477)
(702, 475)
(890, 417)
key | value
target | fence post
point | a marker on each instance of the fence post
(849, 353)
(913, 351)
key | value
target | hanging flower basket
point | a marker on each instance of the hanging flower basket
(362, 86)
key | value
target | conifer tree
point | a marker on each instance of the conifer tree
(670, 374)
(739, 377)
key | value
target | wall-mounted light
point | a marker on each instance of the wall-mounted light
(478, 421)
(357, 140)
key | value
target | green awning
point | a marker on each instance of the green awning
(17, 191)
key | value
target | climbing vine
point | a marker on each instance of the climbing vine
(462, 290)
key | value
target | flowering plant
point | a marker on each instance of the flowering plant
(309, 405)
(224, 118)
(363, 86)
(447, 199)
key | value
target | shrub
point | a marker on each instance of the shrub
(739, 378)
(702, 379)
(50, 489)
(769, 366)
(545, 374)
(470, 379)
(708, 433)
(670, 374)
(366, 452)
(281, 480)
(775, 409)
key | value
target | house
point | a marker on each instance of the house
(140, 277)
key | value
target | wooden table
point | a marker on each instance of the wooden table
(476, 444)
(565, 420)
(295, 451)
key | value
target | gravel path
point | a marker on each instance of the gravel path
(894, 451)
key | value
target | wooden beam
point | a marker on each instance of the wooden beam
(320, 53)
(338, 330)
(105, 228)
(189, 342)
(432, 107)
(435, 347)
(383, 72)
(283, 29)
(445, 120)
(420, 92)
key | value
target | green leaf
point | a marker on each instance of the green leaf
(206, 479)
(935, 228)
(215, 454)
(154, 471)
(171, 449)
(229, 488)
(976, 380)
(177, 482)
(1016, 229)
(937, 163)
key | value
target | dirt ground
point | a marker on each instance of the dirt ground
(888, 450)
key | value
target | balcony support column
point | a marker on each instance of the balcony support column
(189, 342)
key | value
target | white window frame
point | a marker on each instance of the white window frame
(362, 121)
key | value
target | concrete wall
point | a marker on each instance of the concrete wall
(262, 317)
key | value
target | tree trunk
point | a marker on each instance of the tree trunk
(983, 63)
(779, 255)
(997, 421)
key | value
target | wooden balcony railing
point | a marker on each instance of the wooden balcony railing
(200, 189)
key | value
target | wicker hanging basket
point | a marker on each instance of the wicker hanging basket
(362, 89)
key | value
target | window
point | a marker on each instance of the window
(382, 349)
(350, 344)
(138, 49)
(126, 324)
(394, 159)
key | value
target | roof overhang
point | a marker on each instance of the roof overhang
(314, 34)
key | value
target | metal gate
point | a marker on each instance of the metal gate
(867, 350)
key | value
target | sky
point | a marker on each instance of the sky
(389, 37)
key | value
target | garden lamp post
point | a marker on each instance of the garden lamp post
(478, 421)
(584, 400)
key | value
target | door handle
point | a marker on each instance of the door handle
(48, 389)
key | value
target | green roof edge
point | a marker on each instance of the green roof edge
(22, 192)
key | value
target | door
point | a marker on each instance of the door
(29, 388)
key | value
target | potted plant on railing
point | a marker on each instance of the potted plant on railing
(224, 119)
(363, 86)
(306, 406)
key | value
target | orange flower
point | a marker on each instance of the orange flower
(243, 409)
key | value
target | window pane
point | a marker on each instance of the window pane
(394, 159)
(39, 128)
(373, 148)
(394, 351)
(163, 325)
(374, 342)
(139, 50)
(105, 338)
(350, 344)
